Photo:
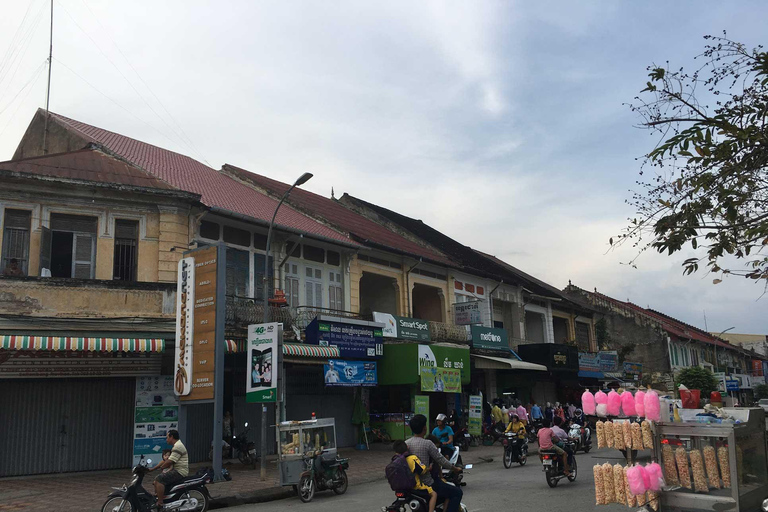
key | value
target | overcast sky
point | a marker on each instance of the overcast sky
(499, 123)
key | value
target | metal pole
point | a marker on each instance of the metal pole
(220, 353)
(48, 92)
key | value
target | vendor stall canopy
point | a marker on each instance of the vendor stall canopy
(62, 343)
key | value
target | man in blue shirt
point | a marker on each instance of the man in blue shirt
(445, 434)
(536, 413)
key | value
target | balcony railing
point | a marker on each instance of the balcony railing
(303, 315)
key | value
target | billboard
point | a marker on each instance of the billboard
(349, 373)
(262, 357)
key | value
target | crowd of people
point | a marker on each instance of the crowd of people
(502, 412)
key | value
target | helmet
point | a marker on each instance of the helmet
(441, 417)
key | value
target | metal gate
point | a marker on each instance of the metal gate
(64, 425)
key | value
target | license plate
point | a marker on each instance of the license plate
(466, 435)
(547, 462)
(252, 452)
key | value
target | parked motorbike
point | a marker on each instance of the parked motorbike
(321, 475)
(493, 433)
(533, 430)
(462, 438)
(515, 449)
(190, 495)
(414, 502)
(553, 466)
(246, 450)
(582, 438)
(453, 477)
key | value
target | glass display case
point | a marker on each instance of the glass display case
(298, 441)
(713, 464)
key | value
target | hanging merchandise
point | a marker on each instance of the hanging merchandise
(637, 437)
(628, 404)
(609, 436)
(614, 404)
(697, 467)
(653, 500)
(670, 468)
(619, 485)
(647, 434)
(652, 406)
(640, 403)
(710, 463)
(626, 430)
(636, 482)
(653, 470)
(600, 432)
(601, 407)
(640, 499)
(610, 494)
(725, 466)
(631, 500)
(597, 471)
(588, 403)
(683, 470)
(618, 436)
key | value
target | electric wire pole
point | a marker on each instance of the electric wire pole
(48, 91)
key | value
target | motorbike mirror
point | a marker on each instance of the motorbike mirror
(468, 466)
(149, 461)
(246, 423)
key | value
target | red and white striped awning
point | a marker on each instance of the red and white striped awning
(291, 349)
(63, 343)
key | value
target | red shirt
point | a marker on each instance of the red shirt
(545, 439)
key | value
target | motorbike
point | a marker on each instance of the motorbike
(321, 475)
(553, 466)
(413, 501)
(191, 495)
(515, 449)
(493, 433)
(462, 438)
(246, 450)
(582, 438)
(452, 477)
(533, 430)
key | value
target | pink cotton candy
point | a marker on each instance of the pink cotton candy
(588, 403)
(639, 403)
(628, 404)
(614, 404)
(601, 398)
(635, 479)
(646, 477)
(652, 406)
(601, 410)
(653, 470)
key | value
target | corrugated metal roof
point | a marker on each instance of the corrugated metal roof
(215, 188)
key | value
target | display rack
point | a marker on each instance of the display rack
(298, 441)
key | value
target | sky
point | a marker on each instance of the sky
(500, 123)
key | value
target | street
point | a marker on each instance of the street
(489, 487)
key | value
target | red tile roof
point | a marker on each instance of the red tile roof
(216, 189)
(359, 227)
(90, 164)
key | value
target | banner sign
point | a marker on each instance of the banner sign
(185, 325)
(440, 380)
(156, 411)
(261, 380)
(421, 405)
(354, 339)
(432, 356)
(589, 362)
(609, 361)
(475, 423)
(731, 385)
(402, 328)
(489, 338)
(349, 373)
(633, 368)
(467, 313)
(757, 368)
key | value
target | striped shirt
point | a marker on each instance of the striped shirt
(427, 452)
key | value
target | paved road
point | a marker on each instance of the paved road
(489, 487)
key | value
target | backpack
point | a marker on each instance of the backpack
(399, 475)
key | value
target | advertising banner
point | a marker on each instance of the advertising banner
(156, 412)
(466, 313)
(421, 405)
(440, 380)
(633, 369)
(354, 339)
(433, 356)
(589, 362)
(402, 328)
(349, 373)
(475, 423)
(489, 338)
(261, 380)
(609, 361)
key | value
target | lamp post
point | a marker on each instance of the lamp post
(302, 179)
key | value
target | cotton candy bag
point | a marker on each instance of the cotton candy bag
(652, 406)
(614, 404)
(640, 403)
(601, 399)
(588, 403)
(635, 479)
(653, 470)
(628, 404)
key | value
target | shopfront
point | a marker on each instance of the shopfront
(562, 363)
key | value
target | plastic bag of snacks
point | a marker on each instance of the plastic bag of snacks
(626, 430)
(647, 434)
(618, 436)
(618, 484)
(640, 403)
(656, 479)
(725, 466)
(609, 434)
(601, 407)
(653, 499)
(628, 404)
(652, 406)
(597, 471)
(697, 468)
(588, 403)
(670, 469)
(614, 403)
(610, 493)
(631, 500)
(637, 436)
(710, 464)
(600, 433)
(640, 499)
(635, 479)
(683, 470)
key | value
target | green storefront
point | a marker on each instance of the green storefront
(403, 388)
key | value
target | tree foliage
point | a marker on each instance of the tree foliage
(760, 391)
(696, 377)
(709, 184)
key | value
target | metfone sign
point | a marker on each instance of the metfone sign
(402, 328)
(261, 382)
(489, 338)
(467, 313)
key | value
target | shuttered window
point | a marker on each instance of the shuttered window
(126, 250)
(292, 284)
(16, 239)
(582, 335)
(258, 276)
(335, 291)
(73, 246)
(313, 287)
(238, 272)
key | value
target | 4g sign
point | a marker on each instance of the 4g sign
(263, 346)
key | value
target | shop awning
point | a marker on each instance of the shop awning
(291, 349)
(611, 376)
(503, 363)
(56, 343)
(587, 374)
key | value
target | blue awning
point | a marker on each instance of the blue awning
(590, 375)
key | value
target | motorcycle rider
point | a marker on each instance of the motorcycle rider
(516, 426)
(562, 437)
(579, 418)
(445, 434)
(547, 440)
(180, 463)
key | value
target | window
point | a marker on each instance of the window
(260, 241)
(258, 276)
(238, 273)
(582, 335)
(292, 284)
(209, 230)
(674, 355)
(69, 247)
(315, 254)
(335, 291)
(16, 239)
(237, 236)
(334, 258)
(126, 250)
(313, 287)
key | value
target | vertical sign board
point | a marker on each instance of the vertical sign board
(261, 383)
(196, 325)
(156, 412)
(421, 405)
(467, 313)
(475, 423)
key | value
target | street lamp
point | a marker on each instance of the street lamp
(302, 180)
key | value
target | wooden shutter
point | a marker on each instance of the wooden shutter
(258, 275)
(83, 255)
(45, 248)
(237, 272)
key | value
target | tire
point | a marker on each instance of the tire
(306, 488)
(551, 481)
(342, 487)
(385, 437)
(523, 459)
(574, 471)
(202, 499)
(507, 459)
(244, 458)
(114, 505)
(587, 448)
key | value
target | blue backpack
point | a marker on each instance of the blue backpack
(399, 475)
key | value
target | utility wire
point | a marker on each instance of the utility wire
(23, 45)
(34, 76)
(14, 43)
(37, 77)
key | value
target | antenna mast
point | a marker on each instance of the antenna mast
(48, 91)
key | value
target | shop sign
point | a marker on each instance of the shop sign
(765, 371)
(609, 361)
(402, 328)
(467, 313)
(354, 339)
(349, 373)
(556, 357)
(731, 385)
(757, 368)
(421, 405)
(442, 357)
(633, 369)
(489, 338)
(440, 380)
(589, 362)
(261, 380)
(475, 420)
(156, 411)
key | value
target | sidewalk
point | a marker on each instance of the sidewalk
(87, 492)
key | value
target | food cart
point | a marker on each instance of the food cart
(299, 439)
(740, 447)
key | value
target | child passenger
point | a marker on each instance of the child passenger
(418, 469)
